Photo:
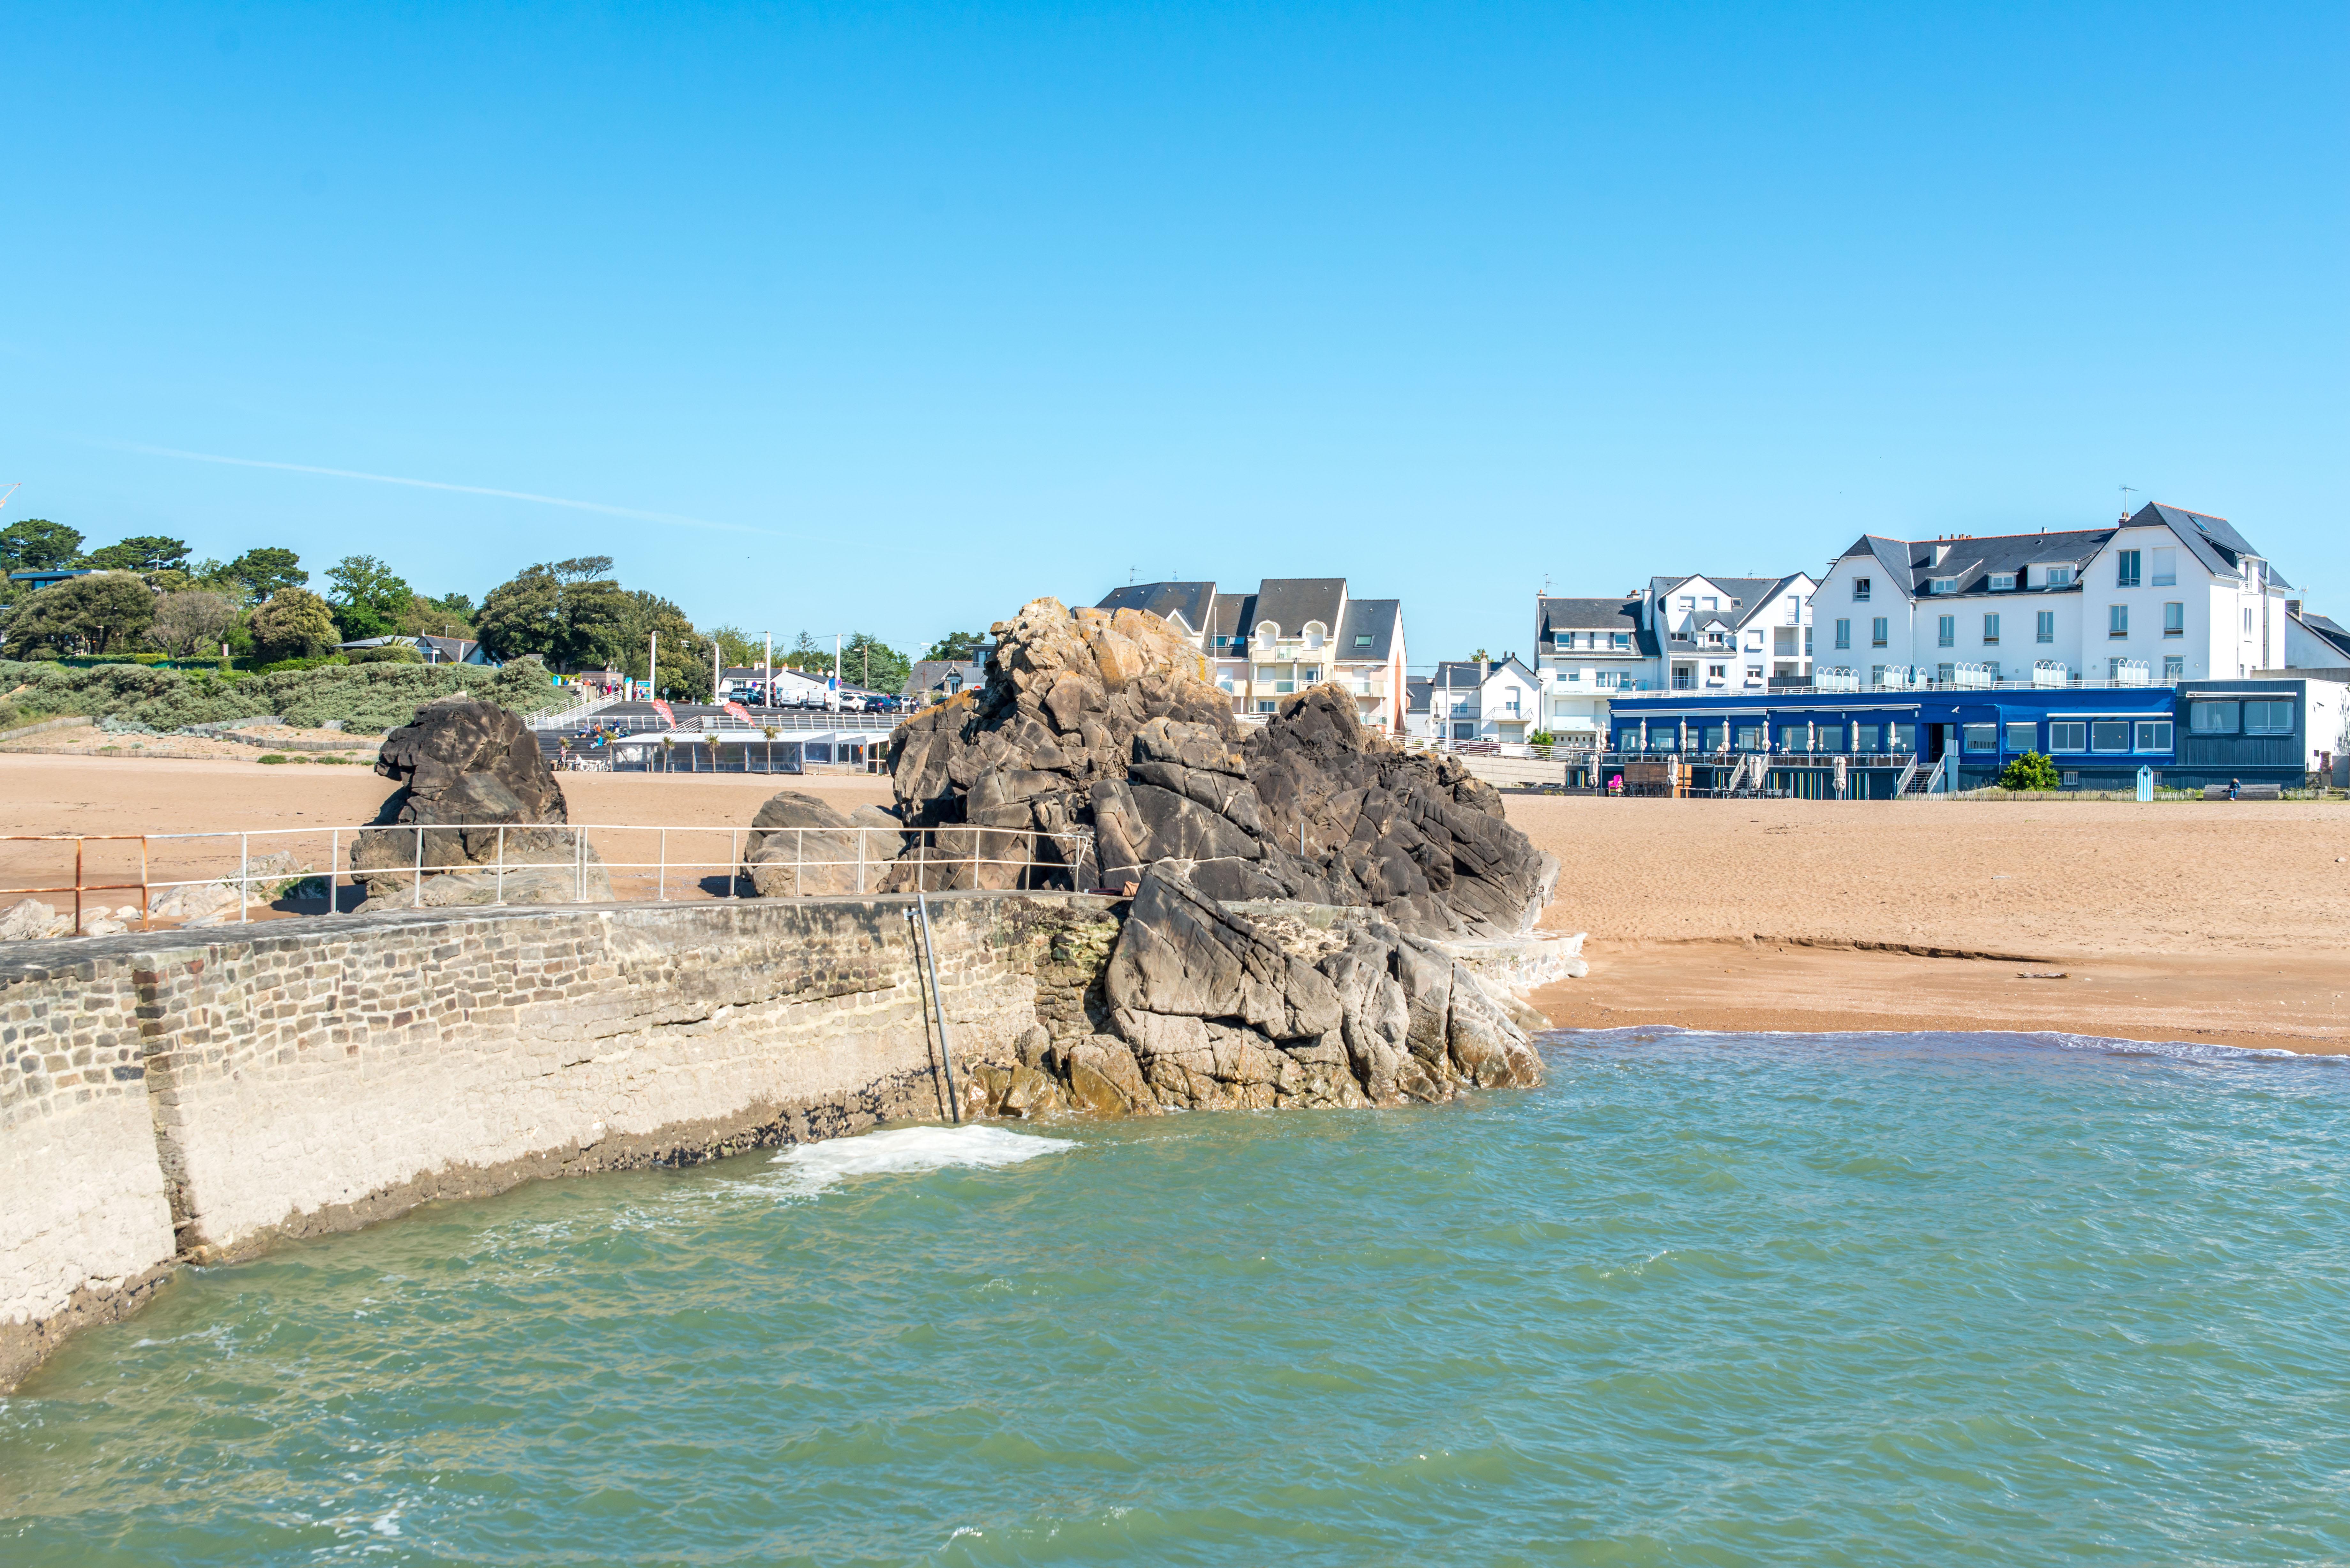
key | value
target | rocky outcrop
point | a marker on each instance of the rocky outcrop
(1213, 1009)
(1295, 889)
(1104, 721)
(474, 774)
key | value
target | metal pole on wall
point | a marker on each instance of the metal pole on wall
(938, 1005)
(652, 665)
(767, 688)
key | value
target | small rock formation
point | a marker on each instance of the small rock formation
(1295, 888)
(31, 920)
(266, 877)
(476, 768)
(801, 846)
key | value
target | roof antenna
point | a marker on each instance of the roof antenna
(1132, 575)
(2127, 494)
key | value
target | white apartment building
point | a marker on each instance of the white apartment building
(1289, 633)
(2163, 595)
(1704, 633)
(1477, 699)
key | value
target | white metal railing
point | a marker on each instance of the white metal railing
(2132, 673)
(2050, 672)
(1836, 680)
(1973, 677)
(925, 859)
(570, 717)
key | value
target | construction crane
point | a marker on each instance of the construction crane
(10, 491)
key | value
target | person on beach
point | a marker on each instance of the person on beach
(2235, 789)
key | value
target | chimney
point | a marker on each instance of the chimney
(1941, 552)
(2293, 607)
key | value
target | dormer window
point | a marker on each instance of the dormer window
(1941, 585)
(1860, 590)
(2003, 582)
(2060, 576)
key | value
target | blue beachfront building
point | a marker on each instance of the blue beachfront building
(1877, 742)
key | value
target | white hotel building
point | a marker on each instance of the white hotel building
(2165, 595)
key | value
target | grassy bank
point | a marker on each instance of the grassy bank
(366, 698)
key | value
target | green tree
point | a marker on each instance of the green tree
(866, 661)
(146, 553)
(451, 614)
(190, 622)
(738, 647)
(260, 573)
(294, 624)
(2030, 770)
(369, 597)
(958, 646)
(685, 673)
(548, 610)
(100, 612)
(37, 545)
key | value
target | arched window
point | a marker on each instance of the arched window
(1315, 633)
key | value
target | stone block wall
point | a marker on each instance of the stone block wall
(196, 1095)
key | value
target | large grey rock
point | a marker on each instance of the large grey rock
(800, 846)
(472, 777)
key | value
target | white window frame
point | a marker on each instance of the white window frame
(2124, 725)
(2003, 582)
(2143, 736)
(2067, 737)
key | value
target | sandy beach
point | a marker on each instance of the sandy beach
(2217, 923)
(2227, 923)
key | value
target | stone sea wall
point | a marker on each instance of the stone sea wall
(188, 1096)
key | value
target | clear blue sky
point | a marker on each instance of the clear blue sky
(927, 311)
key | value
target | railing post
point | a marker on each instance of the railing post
(333, 872)
(661, 896)
(734, 863)
(145, 923)
(245, 877)
(579, 865)
(799, 853)
(861, 860)
(499, 885)
(77, 931)
(417, 891)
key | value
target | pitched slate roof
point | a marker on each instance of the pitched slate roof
(1909, 565)
(2213, 539)
(1415, 694)
(1233, 615)
(1289, 602)
(2326, 629)
(1190, 601)
(1585, 614)
(1462, 676)
(1374, 618)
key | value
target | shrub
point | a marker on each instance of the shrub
(294, 623)
(368, 698)
(390, 653)
(273, 757)
(2030, 770)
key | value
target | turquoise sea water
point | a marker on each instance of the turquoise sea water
(1699, 1299)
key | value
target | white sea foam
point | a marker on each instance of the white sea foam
(903, 1151)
